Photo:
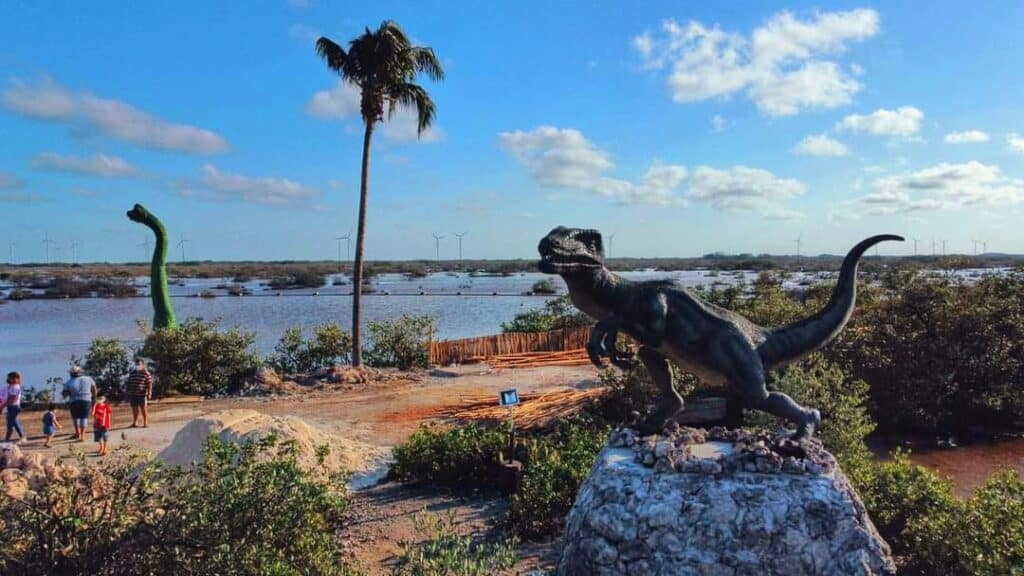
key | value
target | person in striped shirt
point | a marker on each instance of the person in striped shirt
(140, 390)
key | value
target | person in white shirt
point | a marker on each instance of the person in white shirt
(12, 402)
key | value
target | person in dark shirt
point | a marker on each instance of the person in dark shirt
(140, 391)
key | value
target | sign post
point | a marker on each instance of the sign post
(510, 399)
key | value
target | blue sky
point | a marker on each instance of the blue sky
(684, 128)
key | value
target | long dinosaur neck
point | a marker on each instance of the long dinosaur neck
(163, 312)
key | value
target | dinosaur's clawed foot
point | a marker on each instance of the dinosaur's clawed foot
(807, 428)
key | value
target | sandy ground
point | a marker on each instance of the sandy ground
(382, 414)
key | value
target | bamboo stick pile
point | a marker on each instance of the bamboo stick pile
(533, 411)
(576, 357)
(466, 350)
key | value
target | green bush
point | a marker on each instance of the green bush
(245, 509)
(556, 467)
(555, 464)
(544, 286)
(197, 358)
(108, 363)
(940, 353)
(403, 342)
(465, 456)
(447, 553)
(555, 314)
(329, 346)
(981, 535)
(898, 495)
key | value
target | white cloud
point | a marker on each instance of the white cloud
(97, 165)
(47, 100)
(1016, 142)
(904, 121)
(262, 190)
(742, 189)
(719, 123)
(9, 181)
(942, 186)
(402, 125)
(967, 137)
(343, 101)
(786, 65)
(565, 158)
(820, 145)
(304, 33)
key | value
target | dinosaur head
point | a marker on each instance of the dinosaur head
(566, 250)
(139, 214)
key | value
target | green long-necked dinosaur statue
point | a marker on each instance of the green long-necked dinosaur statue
(163, 312)
(670, 322)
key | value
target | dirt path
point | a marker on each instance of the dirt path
(381, 414)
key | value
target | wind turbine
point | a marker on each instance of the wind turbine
(799, 240)
(348, 245)
(915, 245)
(437, 247)
(943, 247)
(74, 251)
(611, 243)
(46, 242)
(181, 244)
(459, 236)
(10, 248)
(933, 247)
(145, 245)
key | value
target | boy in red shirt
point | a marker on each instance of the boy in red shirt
(101, 413)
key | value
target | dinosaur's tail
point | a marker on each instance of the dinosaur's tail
(788, 343)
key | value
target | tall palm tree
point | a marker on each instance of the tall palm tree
(383, 63)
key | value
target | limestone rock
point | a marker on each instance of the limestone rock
(794, 514)
(10, 455)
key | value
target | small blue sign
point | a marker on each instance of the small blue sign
(508, 397)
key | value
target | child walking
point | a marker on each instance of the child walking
(101, 413)
(50, 424)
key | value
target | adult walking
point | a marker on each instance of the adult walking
(140, 391)
(79, 391)
(12, 402)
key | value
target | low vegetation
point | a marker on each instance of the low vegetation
(329, 346)
(403, 342)
(555, 314)
(198, 357)
(447, 553)
(244, 509)
(108, 363)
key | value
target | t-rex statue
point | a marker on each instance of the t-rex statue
(163, 312)
(669, 322)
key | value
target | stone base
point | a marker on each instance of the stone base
(733, 505)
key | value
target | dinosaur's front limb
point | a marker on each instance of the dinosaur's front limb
(669, 402)
(604, 342)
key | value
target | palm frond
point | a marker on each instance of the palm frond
(332, 53)
(414, 96)
(427, 62)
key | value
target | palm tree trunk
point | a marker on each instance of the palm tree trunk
(357, 266)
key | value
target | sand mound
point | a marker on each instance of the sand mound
(248, 425)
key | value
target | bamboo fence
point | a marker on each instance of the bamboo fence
(468, 350)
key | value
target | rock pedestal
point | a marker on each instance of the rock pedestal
(719, 503)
